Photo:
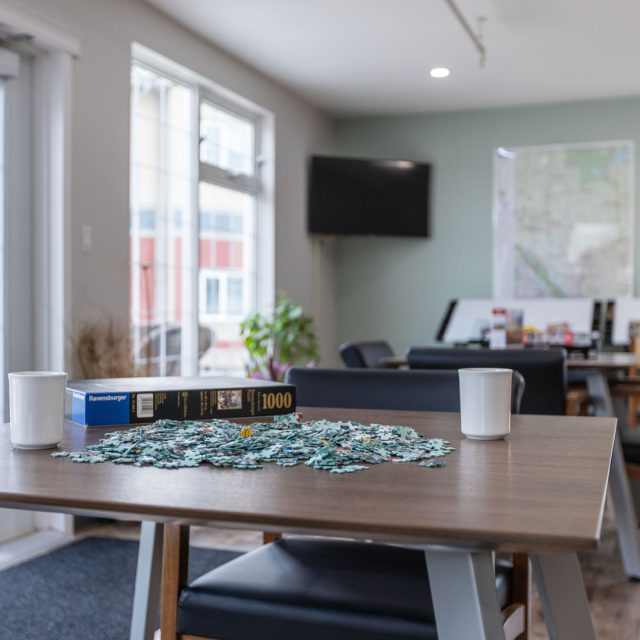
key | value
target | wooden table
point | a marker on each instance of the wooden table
(596, 372)
(540, 491)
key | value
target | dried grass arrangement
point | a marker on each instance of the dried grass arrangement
(104, 349)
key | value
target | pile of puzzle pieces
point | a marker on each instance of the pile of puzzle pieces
(338, 447)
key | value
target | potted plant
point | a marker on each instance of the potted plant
(103, 349)
(280, 341)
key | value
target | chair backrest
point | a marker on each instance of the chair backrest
(151, 347)
(365, 354)
(383, 389)
(544, 371)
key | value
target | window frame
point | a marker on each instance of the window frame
(214, 174)
(261, 293)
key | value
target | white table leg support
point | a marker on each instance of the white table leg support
(598, 388)
(148, 576)
(563, 597)
(465, 600)
(625, 513)
(623, 505)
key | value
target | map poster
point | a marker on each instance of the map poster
(563, 221)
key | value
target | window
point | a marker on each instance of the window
(160, 198)
(195, 201)
(221, 295)
(235, 298)
(226, 140)
(212, 295)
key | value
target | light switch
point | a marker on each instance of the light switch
(86, 243)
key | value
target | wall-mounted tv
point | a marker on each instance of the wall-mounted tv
(368, 197)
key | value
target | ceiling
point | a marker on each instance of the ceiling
(367, 57)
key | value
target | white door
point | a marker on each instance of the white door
(15, 245)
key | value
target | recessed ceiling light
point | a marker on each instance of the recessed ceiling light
(439, 72)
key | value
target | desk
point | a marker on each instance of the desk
(596, 370)
(393, 362)
(541, 491)
(603, 362)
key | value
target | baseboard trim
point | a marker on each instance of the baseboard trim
(31, 546)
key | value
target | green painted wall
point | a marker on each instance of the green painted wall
(397, 289)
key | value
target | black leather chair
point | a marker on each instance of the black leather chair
(365, 354)
(544, 371)
(319, 589)
(384, 389)
(309, 589)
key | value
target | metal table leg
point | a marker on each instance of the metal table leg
(563, 597)
(465, 600)
(598, 388)
(625, 512)
(147, 589)
(624, 507)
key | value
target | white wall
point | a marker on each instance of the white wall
(100, 175)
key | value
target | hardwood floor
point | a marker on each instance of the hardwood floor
(614, 598)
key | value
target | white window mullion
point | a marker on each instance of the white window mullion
(224, 293)
(136, 320)
(265, 218)
(191, 253)
(249, 271)
(162, 237)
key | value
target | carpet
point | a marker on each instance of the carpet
(83, 591)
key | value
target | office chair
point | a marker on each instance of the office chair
(385, 389)
(323, 588)
(544, 371)
(365, 354)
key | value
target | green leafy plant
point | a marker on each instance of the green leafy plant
(276, 343)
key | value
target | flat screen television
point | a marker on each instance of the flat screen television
(349, 196)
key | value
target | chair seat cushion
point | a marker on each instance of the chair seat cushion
(317, 589)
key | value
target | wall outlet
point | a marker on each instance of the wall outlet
(86, 238)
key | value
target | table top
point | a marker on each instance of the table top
(542, 488)
(618, 360)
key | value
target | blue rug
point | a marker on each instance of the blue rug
(83, 591)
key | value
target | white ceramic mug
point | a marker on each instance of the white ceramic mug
(36, 408)
(485, 403)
